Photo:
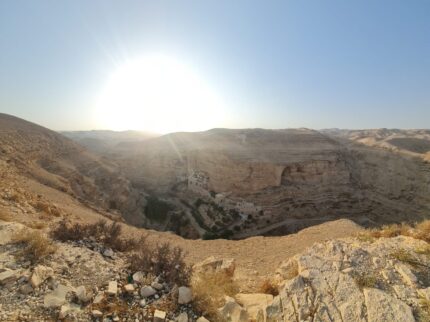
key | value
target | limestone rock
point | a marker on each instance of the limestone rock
(57, 297)
(67, 309)
(138, 277)
(25, 289)
(8, 276)
(383, 307)
(99, 298)
(40, 274)
(96, 313)
(108, 253)
(129, 288)
(406, 274)
(147, 291)
(231, 311)
(112, 288)
(254, 303)
(183, 317)
(211, 264)
(185, 295)
(159, 316)
(81, 294)
(157, 286)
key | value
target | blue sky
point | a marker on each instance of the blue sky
(276, 64)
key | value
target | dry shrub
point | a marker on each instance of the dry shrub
(423, 231)
(209, 291)
(418, 231)
(423, 250)
(268, 286)
(423, 314)
(42, 206)
(164, 260)
(368, 280)
(36, 245)
(36, 225)
(405, 256)
(101, 231)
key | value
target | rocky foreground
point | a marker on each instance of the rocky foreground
(354, 279)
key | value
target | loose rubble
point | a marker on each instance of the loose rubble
(338, 280)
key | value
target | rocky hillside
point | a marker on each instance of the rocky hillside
(365, 278)
(107, 142)
(53, 160)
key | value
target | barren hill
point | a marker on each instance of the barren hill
(56, 161)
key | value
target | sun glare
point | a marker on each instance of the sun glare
(160, 94)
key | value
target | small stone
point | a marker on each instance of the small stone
(40, 274)
(96, 313)
(202, 319)
(99, 298)
(157, 286)
(81, 294)
(57, 297)
(159, 316)
(7, 277)
(112, 288)
(147, 291)
(129, 288)
(183, 317)
(138, 277)
(142, 303)
(67, 309)
(184, 295)
(25, 289)
(108, 253)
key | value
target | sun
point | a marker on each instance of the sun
(160, 94)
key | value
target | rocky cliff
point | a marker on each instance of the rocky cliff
(294, 176)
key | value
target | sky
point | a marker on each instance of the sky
(270, 64)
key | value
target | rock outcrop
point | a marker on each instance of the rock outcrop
(349, 280)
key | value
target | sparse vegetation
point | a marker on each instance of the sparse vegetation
(157, 209)
(163, 260)
(423, 250)
(101, 231)
(418, 231)
(209, 290)
(365, 279)
(405, 256)
(423, 311)
(36, 246)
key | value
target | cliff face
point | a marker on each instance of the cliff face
(299, 174)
